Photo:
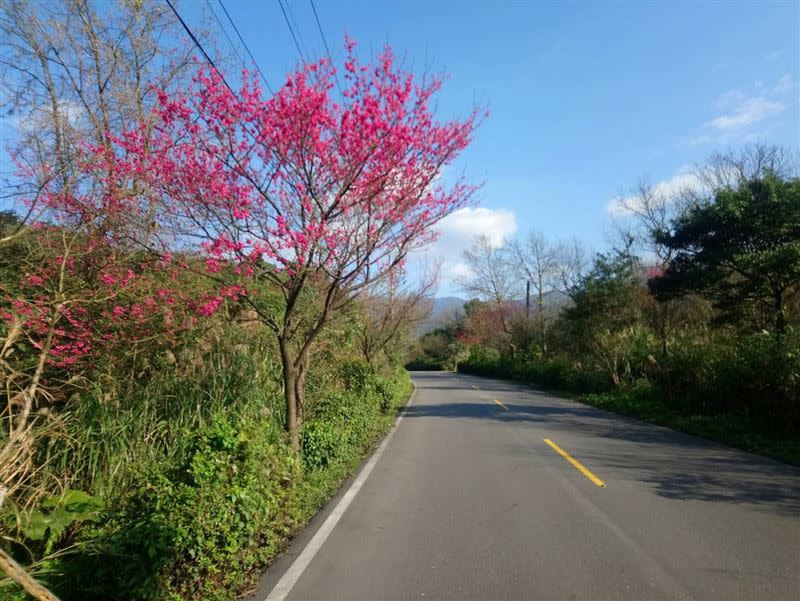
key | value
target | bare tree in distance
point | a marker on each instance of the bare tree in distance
(537, 260)
(650, 208)
(493, 276)
(571, 261)
(730, 168)
(393, 310)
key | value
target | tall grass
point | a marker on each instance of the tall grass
(108, 440)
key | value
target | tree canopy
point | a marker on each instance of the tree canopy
(742, 249)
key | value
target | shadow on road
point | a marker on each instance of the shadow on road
(676, 465)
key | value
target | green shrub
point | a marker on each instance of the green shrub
(322, 443)
(387, 394)
(358, 376)
(555, 372)
(193, 531)
(424, 364)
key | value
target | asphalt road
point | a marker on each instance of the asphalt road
(467, 501)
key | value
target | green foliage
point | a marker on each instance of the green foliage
(741, 249)
(345, 422)
(191, 531)
(56, 513)
(623, 354)
(358, 376)
(322, 443)
(440, 349)
(424, 363)
(191, 484)
(731, 428)
(757, 375)
(605, 299)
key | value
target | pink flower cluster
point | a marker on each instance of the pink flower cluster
(299, 179)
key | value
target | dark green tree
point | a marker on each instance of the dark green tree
(474, 306)
(606, 297)
(741, 249)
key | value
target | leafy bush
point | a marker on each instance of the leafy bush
(191, 531)
(358, 376)
(424, 363)
(387, 394)
(322, 443)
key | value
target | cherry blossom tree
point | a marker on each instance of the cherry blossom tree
(311, 200)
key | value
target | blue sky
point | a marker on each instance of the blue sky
(585, 99)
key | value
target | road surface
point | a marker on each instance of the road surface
(466, 500)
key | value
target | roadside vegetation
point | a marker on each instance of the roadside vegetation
(691, 320)
(203, 305)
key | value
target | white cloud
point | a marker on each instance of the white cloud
(685, 178)
(458, 270)
(457, 232)
(748, 112)
(743, 115)
(467, 223)
(730, 98)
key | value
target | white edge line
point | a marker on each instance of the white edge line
(292, 575)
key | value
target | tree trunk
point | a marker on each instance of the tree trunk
(290, 393)
(300, 389)
(542, 329)
(780, 317)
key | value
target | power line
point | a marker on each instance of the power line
(325, 42)
(297, 29)
(289, 25)
(225, 31)
(200, 47)
(246, 47)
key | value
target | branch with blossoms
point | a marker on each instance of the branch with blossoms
(298, 190)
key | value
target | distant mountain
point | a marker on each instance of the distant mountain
(553, 299)
(448, 309)
(445, 310)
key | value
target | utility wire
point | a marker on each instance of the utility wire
(288, 6)
(200, 47)
(246, 47)
(225, 31)
(325, 42)
(289, 25)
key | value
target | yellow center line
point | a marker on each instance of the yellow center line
(578, 465)
(501, 404)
